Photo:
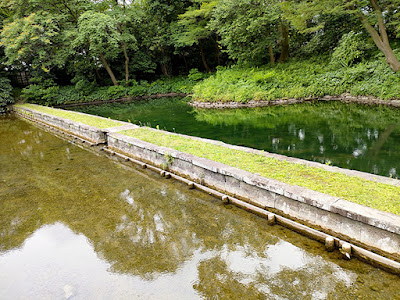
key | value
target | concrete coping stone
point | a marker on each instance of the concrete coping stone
(83, 125)
(380, 219)
(126, 126)
(333, 169)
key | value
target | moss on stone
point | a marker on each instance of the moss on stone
(90, 120)
(381, 196)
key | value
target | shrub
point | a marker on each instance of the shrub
(5, 94)
(351, 48)
(298, 79)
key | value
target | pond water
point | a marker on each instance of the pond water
(346, 135)
(75, 224)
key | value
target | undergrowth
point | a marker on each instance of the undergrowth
(55, 95)
(299, 79)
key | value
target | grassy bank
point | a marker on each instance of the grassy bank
(299, 79)
(376, 195)
(94, 121)
(55, 95)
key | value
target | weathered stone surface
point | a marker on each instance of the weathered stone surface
(366, 226)
(263, 103)
(86, 132)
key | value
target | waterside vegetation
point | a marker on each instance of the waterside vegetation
(259, 50)
(311, 78)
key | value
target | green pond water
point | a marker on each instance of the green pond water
(75, 224)
(346, 135)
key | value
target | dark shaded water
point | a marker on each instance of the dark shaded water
(346, 135)
(78, 225)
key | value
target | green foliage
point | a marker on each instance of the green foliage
(305, 16)
(5, 94)
(351, 49)
(99, 31)
(195, 75)
(192, 25)
(48, 93)
(299, 79)
(31, 39)
(247, 28)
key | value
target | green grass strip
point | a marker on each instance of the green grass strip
(381, 196)
(90, 120)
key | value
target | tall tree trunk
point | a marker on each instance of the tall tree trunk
(217, 51)
(186, 64)
(218, 55)
(284, 30)
(126, 62)
(203, 58)
(271, 55)
(124, 48)
(109, 71)
(381, 39)
(164, 69)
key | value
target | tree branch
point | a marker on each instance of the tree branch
(381, 23)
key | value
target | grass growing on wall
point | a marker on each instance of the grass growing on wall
(90, 120)
(376, 195)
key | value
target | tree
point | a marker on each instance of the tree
(160, 15)
(32, 40)
(193, 27)
(99, 32)
(251, 29)
(371, 14)
(37, 35)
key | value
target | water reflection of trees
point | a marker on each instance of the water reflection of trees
(347, 135)
(148, 227)
(140, 225)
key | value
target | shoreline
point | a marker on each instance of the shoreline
(121, 100)
(346, 98)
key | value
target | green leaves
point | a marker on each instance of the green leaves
(299, 79)
(193, 24)
(351, 49)
(247, 28)
(31, 39)
(5, 94)
(99, 32)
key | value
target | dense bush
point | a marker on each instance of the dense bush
(351, 49)
(84, 91)
(5, 94)
(298, 79)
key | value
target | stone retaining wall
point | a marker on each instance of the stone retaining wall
(86, 132)
(370, 228)
(347, 98)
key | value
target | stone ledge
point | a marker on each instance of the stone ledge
(347, 98)
(87, 132)
(354, 173)
(383, 220)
